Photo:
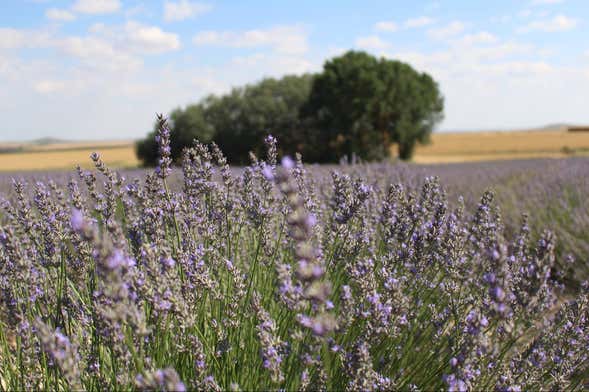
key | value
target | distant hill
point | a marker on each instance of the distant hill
(47, 140)
(555, 127)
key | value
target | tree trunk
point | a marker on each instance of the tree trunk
(406, 150)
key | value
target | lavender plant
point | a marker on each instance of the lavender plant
(280, 276)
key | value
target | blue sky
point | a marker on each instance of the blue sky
(101, 69)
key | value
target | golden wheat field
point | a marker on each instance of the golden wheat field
(66, 156)
(487, 146)
(444, 148)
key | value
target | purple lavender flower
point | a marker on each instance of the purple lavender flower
(77, 219)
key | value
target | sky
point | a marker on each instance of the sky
(102, 69)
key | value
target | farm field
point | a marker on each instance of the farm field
(64, 155)
(445, 148)
(291, 196)
(488, 146)
(282, 276)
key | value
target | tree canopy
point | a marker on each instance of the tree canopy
(239, 121)
(363, 104)
(358, 105)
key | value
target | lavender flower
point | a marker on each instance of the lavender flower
(286, 276)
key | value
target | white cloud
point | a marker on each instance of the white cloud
(386, 26)
(98, 53)
(482, 37)
(517, 67)
(501, 51)
(49, 86)
(450, 30)
(139, 9)
(96, 6)
(150, 39)
(208, 83)
(11, 38)
(411, 23)
(14, 38)
(282, 39)
(184, 9)
(138, 38)
(556, 24)
(477, 85)
(371, 42)
(59, 14)
(106, 48)
(272, 65)
(418, 22)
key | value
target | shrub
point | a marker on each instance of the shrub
(276, 278)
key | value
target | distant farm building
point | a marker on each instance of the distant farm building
(578, 128)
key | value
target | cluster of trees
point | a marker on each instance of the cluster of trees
(357, 106)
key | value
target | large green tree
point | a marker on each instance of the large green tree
(239, 121)
(245, 116)
(362, 104)
(359, 105)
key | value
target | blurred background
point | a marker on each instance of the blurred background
(431, 81)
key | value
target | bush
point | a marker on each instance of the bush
(356, 107)
(362, 104)
(276, 279)
(238, 121)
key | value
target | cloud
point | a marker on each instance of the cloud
(517, 67)
(11, 38)
(97, 53)
(411, 23)
(271, 65)
(96, 6)
(482, 37)
(386, 26)
(150, 39)
(450, 30)
(556, 24)
(282, 39)
(60, 15)
(105, 48)
(503, 78)
(371, 42)
(15, 39)
(138, 38)
(421, 21)
(184, 9)
(49, 86)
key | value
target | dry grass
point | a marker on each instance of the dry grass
(87, 145)
(483, 146)
(445, 148)
(68, 158)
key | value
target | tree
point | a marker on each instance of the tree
(186, 125)
(359, 105)
(239, 121)
(245, 116)
(362, 104)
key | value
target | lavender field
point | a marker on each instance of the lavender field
(282, 275)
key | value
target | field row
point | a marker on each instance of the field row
(444, 148)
